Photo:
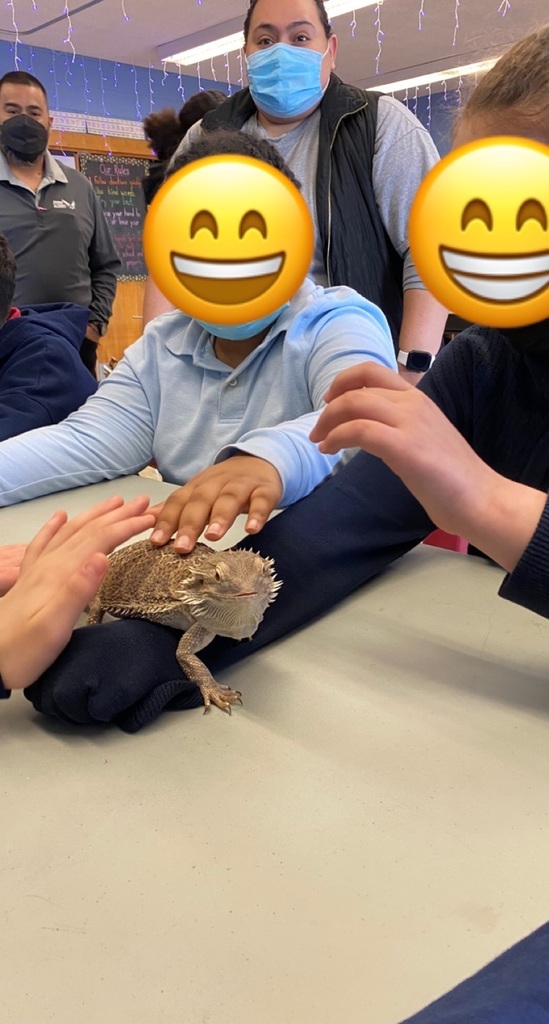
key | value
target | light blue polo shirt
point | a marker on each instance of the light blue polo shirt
(171, 399)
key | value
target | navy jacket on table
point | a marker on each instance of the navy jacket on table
(514, 989)
(42, 377)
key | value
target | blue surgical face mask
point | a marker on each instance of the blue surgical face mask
(285, 80)
(241, 332)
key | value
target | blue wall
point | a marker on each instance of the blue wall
(107, 88)
(440, 118)
(103, 88)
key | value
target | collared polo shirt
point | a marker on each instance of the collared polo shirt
(60, 239)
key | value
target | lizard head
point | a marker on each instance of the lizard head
(228, 591)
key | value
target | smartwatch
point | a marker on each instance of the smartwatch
(416, 360)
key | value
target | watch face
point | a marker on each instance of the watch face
(419, 362)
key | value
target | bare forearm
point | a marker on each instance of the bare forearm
(370, 407)
(423, 321)
(503, 520)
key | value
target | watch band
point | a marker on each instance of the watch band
(100, 328)
(4, 694)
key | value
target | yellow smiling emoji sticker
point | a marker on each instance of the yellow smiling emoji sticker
(228, 239)
(479, 231)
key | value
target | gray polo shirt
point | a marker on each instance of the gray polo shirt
(60, 239)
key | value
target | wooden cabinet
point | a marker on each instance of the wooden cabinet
(126, 323)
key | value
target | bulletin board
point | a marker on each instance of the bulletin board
(117, 183)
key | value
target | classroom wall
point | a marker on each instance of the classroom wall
(439, 116)
(102, 88)
(105, 88)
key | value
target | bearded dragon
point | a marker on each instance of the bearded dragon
(205, 593)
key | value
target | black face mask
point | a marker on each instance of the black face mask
(532, 340)
(23, 136)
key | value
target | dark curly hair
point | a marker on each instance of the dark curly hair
(221, 141)
(165, 129)
(322, 14)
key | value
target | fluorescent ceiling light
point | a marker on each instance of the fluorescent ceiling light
(436, 76)
(227, 44)
(207, 51)
(336, 7)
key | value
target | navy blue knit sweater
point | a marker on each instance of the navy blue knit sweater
(363, 518)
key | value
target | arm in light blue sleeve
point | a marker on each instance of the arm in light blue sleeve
(110, 436)
(343, 338)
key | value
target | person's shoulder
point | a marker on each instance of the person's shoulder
(173, 332)
(391, 111)
(44, 311)
(483, 344)
(71, 174)
(478, 355)
(194, 132)
(313, 305)
(48, 345)
(76, 181)
(308, 299)
(395, 121)
(66, 320)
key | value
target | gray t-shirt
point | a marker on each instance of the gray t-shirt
(404, 152)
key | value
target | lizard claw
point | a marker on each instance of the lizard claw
(220, 695)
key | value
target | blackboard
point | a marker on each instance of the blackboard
(117, 182)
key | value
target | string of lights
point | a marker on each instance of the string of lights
(92, 70)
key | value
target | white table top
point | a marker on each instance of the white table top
(370, 828)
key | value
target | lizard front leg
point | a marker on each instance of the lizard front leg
(95, 612)
(195, 639)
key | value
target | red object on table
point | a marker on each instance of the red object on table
(441, 539)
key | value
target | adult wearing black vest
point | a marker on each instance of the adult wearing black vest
(359, 158)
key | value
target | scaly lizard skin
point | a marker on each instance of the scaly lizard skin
(204, 593)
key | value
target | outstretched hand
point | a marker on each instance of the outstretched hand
(375, 409)
(11, 556)
(213, 499)
(61, 571)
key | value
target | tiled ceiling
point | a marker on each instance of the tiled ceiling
(452, 31)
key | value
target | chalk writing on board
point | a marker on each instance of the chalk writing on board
(117, 183)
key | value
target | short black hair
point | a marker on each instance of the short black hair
(222, 142)
(7, 279)
(322, 14)
(198, 105)
(22, 78)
